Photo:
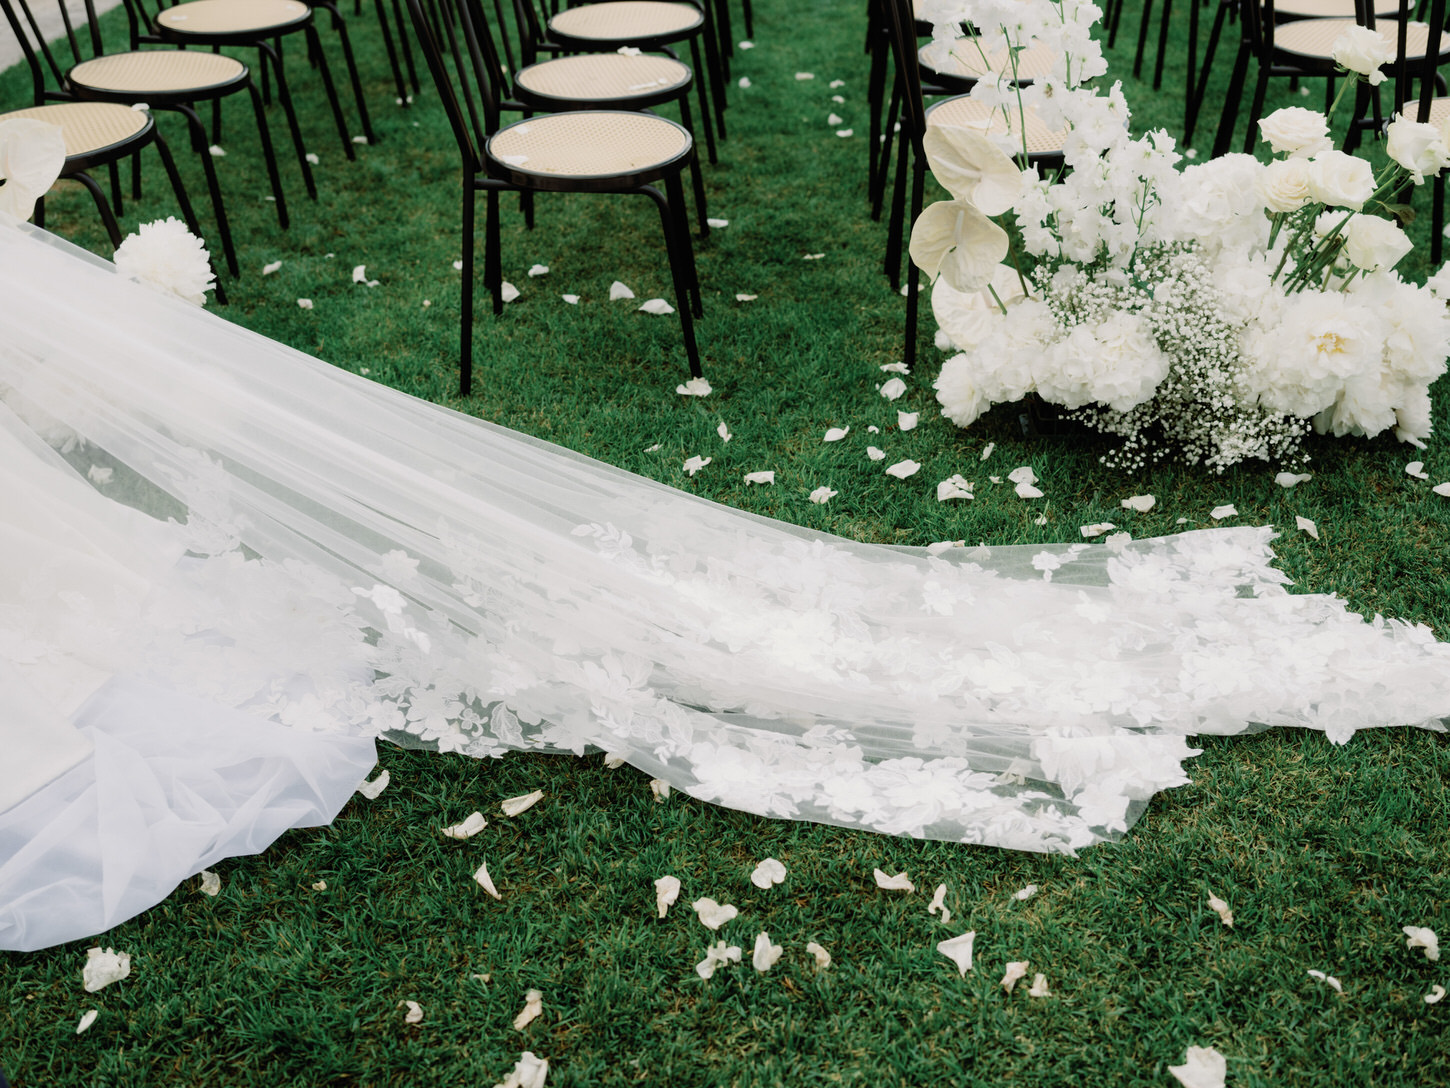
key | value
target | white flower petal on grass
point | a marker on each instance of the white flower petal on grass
(805, 75)
(1096, 529)
(371, 790)
(1016, 969)
(311, 157)
(954, 487)
(216, 151)
(414, 1015)
(875, 454)
(812, 256)
(508, 292)
(766, 476)
(104, 967)
(906, 421)
(987, 450)
(898, 883)
(717, 224)
(268, 269)
(618, 291)
(896, 368)
(893, 388)
(1420, 937)
(713, 915)
(89, 1017)
(1307, 526)
(471, 826)
(1227, 510)
(845, 133)
(657, 306)
(360, 274)
(724, 432)
(211, 883)
(873, 429)
(835, 434)
(1203, 1067)
(837, 83)
(744, 83)
(539, 270)
(529, 1071)
(458, 266)
(533, 1008)
(1442, 490)
(1219, 907)
(1289, 479)
(1328, 980)
(695, 464)
(1417, 470)
(1040, 519)
(822, 495)
(833, 119)
(938, 900)
(572, 300)
(717, 955)
(1028, 491)
(360, 140)
(656, 447)
(514, 806)
(660, 788)
(1434, 997)
(823, 958)
(767, 874)
(902, 469)
(485, 881)
(959, 951)
(319, 886)
(746, 298)
(747, 45)
(1039, 986)
(667, 890)
(695, 387)
(1024, 894)
(766, 955)
(1141, 503)
(1023, 475)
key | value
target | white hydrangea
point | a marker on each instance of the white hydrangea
(1116, 363)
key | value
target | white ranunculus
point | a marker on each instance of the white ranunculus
(1419, 148)
(1362, 50)
(1297, 132)
(1375, 244)
(1341, 180)
(1116, 363)
(970, 166)
(167, 256)
(1284, 184)
(955, 240)
(32, 155)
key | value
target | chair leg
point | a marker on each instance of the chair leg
(701, 78)
(352, 74)
(913, 281)
(391, 51)
(687, 115)
(677, 249)
(1230, 115)
(749, 19)
(1196, 92)
(465, 332)
(883, 161)
(1143, 24)
(697, 177)
(875, 97)
(492, 255)
(113, 171)
(314, 42)
(1437, 219)
(214, 190)
(1256, 110)
(187, 212)
(270, 154)
(285, 94)
(103, 206)
(717, 78)
(406, 46)
(135, 177)
(895, 228)
(1163, 43)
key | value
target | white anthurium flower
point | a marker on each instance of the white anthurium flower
(514, 806)
(485, 881)
(667, 890)
(471, 826)
(1039, 986)
(823, 958)
(1417, 146)
(1360, 49)
(1219, 907)
(1417, 470)
(898, 883)
(211, 884)
(1421, 937)
(1329, 980)
(1016, 970)
(89, 1017)
(32, 155)
(835, 434)
(713, 915)
(533, 1008)
(766, 955)
(1303, 524)
(766, 476)
(953, 240)
(371, 790)
(717, 955)
(1203, 1067)
(104, 967)
(529, 1071)
(959, 951)
(1374, 244)
(414, 1015)
(822, 495)
(660, 788)
(767, 874)
(902, 469)
(967, 163)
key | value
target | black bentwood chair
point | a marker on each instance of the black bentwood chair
(594, 151)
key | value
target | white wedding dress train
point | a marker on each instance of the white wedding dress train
(238, 564)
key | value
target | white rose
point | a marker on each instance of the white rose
(1362, 50)
(1419, 148)
(1340, 180)
(1374, 244)
(1296, 131)
(1284, 184)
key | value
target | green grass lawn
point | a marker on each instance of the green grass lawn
(1323, 853)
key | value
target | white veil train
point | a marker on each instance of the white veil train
(239, 564)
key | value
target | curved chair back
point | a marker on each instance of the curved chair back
(40, 55)
(466, 69)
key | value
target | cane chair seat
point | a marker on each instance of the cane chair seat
(1315, 38)
(966, 112)
(89, 127)
(603, 76)
(964, 59)
(590, 144)
(158, 71)
(212, 17)
(625, 20)
(1330, 9)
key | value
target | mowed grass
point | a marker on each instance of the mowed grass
(1322, 852)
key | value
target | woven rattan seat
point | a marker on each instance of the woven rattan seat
(232, 16)
(969, 113)
(156, 71)
(599, 76)
(624, 20)
(88, 126)
(1330, 9)
(1316, 37)
(593, 144)
(963, 59)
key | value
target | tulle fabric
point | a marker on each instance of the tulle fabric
(357, 563)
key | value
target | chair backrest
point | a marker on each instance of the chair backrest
(465, 67)
(49, 61)
(901, 29)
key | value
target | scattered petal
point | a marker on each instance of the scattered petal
(514, 806)
(744, 83)
(1329, 980)
(938, 900)
(822, 495)
(805, 75)
(767, 476)
(1289, 479)
(987, 450)
(1024, 894)
(695, 387)
(572, 300)
(1016, 969)
(834, 120)
(1417, 470)
(312, 158)
(1023, 475)
(216, 151)
(1203, 1067)
(896, 368)
(539, 270)
(104, 967)
(717, 955)
(724, 432)
(1227, 510)
(812, 256)
(1181, 521)
(873, 430)
(667, 890)
(508, 292)
(906, 421)
(837, 83)
(845, 133)
(823, 958)
(304, 303)
(1028, 491)
(1039, 986)
(618, 291)
(875, 454)
(937, 547)
(902, 469)
(211, 883)
(360, 274)
(372, 789)
(100, 474)
(628, 51)
(533, 1007)
(529, 1072)
(766, 954)
(1442, 490)
(767, 874)
(1096, 529)
(657, 306)
(414, 1015)
(713, 915)
(1118, 541)
(835, 434)
(893, 388)
(695, 464)
(838, 99)
(319, 886)
(89, 1017)
(485, 881)
(458, 266)
(747, 45)
(1040, 519)
(657, 446)
(959, 951)
(717, 224)
(1219, 907)
(360, 140)
(268, 269)
(1307, 526)
(471, 826)
(1420, 937)
(1141, 503)
(660, 788)
(1434, 997)
(898, 883)
(954, 487)
(746, 298)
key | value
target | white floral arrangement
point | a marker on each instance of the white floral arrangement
(1219, 312)
(165, 255)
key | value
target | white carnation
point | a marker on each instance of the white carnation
(1116, 363)
(167, 256)
(961, 396)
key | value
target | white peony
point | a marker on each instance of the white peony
(1283, 185)
(1360, 49)
(1295, 131)
(167, 256)
(1341, 180)
(1419, 148)
(1375, 244)
(1299, 365)
(1116, 363)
